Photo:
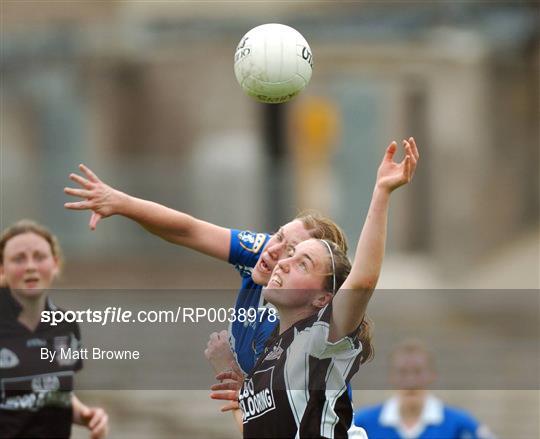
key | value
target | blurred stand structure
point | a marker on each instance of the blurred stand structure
(144, 93)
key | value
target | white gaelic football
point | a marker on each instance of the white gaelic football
(273, 63)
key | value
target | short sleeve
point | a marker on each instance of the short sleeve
(245, 249)
(319, 346)
(367, 417)
(470, 428)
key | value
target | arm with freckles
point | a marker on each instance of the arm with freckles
(350, 302)
(169, 224)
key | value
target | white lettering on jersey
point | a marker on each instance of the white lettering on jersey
(62, 344)
(257, 404)
(45, 383)
(250, 241)
(8, 359)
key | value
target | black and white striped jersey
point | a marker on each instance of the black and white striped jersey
(35, 393)
(298, 387)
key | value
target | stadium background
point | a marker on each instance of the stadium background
(144, 93)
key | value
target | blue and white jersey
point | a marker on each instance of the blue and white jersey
(248, 338)
(437, 421)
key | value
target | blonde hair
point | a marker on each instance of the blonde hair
(321, 227)
(29, 226)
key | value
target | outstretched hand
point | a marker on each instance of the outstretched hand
(98, 196)
(392, 175)
(228, 388)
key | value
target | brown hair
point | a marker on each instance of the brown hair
(320, 227)
(29, 226)
(341, 269)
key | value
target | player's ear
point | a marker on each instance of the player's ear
(56, 270)
(322, 300)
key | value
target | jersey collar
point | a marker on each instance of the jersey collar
(10, 308)
(432, 414)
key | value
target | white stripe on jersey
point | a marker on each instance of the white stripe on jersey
(296, 375)
(296, 372)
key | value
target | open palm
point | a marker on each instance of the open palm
(97, 196)
(391, 174)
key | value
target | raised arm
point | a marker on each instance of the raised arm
(169, 224)
(350, 303)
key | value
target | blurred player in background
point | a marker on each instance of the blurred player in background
(37, 399)
(254, 255)
(298, 387)
(415, 413)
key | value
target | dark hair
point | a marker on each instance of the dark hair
(320, 227)
(341, 269)
(29, 226)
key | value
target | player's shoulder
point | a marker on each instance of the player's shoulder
(367, 415)
(252, 242)
(467, 424)
(460, 416)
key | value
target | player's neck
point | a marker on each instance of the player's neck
(288, 317)
(410, 411)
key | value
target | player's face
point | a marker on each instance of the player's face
(278, 247)
(411, 374)
(298, 280)
(29, 266)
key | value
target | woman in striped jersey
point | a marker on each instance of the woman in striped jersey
(298, 385)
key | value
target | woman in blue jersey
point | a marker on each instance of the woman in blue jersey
(253, 254)
(414, 412)
(298, 386)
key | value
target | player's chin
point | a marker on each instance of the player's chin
(30, 291)
(412, 393)
(271, 295)
(259, 277)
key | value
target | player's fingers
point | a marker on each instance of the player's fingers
(100, 429)
(96, 418)
(414, 148)
(225, 395)
(229, 407)
(78, 205)
(223, 334)
(77, 192)
(409, 153)
(88, 172)
(214, 336)
(390, 151)
(80, 180)
(94, 220)
(226, 375)
(407, 171)
(227, 385)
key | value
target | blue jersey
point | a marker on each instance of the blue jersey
(248, 338)
(437, 421)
